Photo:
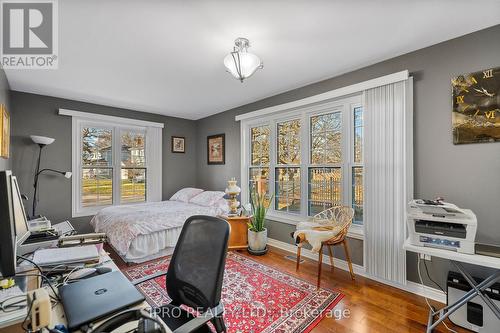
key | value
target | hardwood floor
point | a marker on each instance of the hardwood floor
(371, 306)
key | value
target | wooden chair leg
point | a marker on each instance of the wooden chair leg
(348, 258)
(299, 248)
(320, 262)
(330, 251)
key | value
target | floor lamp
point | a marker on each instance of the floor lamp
(42, 141)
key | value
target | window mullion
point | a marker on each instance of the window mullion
(272, 161)
(116, 135)
(304, 159)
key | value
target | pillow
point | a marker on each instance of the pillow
(207, 198)
(185, 194)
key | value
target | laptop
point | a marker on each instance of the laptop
(91, 299)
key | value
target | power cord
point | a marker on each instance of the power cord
(426, 299)
(43, 276)
(431, 279)
(28, 315)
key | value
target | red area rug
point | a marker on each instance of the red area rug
(256, 297)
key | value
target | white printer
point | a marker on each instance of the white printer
(441, 225)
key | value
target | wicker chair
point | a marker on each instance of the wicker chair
(332, 218)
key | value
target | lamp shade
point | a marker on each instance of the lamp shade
(232, 188)
(241, 63)
(42, 140)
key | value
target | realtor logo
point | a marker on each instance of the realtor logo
(29, 34)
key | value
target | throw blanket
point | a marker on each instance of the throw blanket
(316, 233)
(122, 224)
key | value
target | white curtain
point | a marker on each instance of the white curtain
(154, 162)
(389, 178)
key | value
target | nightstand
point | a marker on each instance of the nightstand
(238, 239)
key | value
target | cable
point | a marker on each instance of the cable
(430, 278)
(427, 300)
(28, 315)
(32, 262)
(47, 281)
(15, 305)
(66, 279)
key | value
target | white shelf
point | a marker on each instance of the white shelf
(474, 259)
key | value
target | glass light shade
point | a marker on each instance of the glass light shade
(249, 63)
(232, 187)
(42, 140)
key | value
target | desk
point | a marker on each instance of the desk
(58, 310)
(477, 288)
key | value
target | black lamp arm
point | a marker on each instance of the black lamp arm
(51, 170)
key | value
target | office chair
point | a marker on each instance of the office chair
(194, 276)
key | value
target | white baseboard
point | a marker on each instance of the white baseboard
(412, 287)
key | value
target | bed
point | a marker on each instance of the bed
(141, 232)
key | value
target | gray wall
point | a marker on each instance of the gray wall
(466, 174)
(4, 99)
(36, 114)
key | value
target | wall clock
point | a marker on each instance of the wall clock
(476, 107)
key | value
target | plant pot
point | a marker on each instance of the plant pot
(257, 242)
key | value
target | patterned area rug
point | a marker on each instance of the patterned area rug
(256, 297)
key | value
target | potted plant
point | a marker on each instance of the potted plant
(257, 232)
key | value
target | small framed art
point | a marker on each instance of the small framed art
(216, 149)
(4, 132)
(178, 144)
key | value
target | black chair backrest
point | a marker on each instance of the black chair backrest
(195, 273)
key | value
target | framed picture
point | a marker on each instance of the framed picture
(178, 144)
(476, 107)
(4, 132)
(216, 149)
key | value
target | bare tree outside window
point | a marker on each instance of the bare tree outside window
(97, 168)
(133, 167)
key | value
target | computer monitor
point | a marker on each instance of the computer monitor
(21, 222)
(13, 223)
(7, 227)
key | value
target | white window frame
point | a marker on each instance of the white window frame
(345, 105)
(117, 125)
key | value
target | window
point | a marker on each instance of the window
(325, 178)
(115, 162)
(287, 172)
(260, 155)
(97, 166)
(357, 169)
(133, 166)
(311, 159)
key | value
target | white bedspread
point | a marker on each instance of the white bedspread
(122, 224)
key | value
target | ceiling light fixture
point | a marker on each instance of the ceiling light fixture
(241, 63)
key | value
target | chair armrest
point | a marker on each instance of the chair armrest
(201, 320)
(149, 277)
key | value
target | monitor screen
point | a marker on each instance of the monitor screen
(21, 222)
(7, 227)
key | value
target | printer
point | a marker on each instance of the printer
(441, 225)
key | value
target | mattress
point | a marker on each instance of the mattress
(139, 231)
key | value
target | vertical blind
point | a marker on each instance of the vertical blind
(388, 179)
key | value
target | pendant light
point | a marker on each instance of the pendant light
(241, 63)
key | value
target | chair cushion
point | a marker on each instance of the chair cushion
(174, 317)
(315, 233)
